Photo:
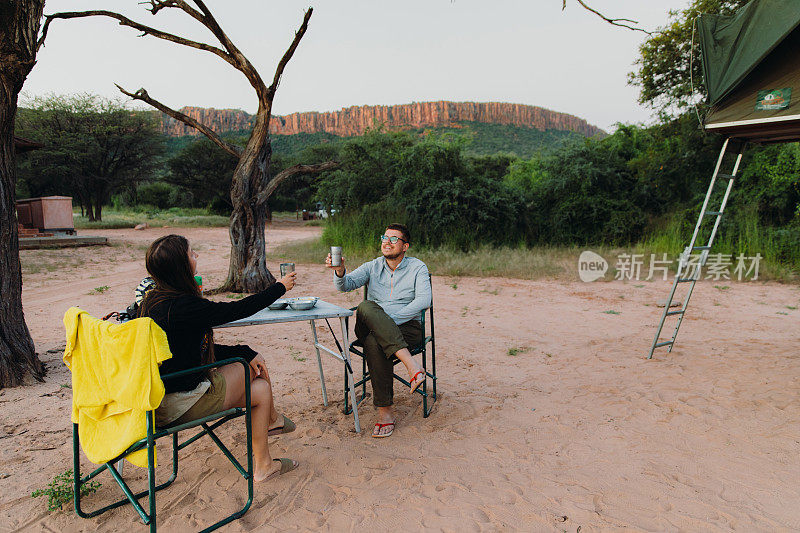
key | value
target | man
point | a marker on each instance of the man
(387, 322)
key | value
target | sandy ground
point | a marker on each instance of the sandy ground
(576, 431)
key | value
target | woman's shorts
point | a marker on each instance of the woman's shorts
(209, 403)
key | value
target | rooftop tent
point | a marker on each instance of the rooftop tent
(751, 66)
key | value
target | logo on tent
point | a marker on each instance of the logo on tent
(773, 99)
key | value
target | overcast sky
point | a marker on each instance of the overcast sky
(365, 52)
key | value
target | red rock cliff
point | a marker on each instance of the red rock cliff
(355, 120)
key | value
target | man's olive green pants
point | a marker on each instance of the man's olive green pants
(382, 338)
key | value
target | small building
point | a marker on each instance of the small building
(47, 215)
(47, 222)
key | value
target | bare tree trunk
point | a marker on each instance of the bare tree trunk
(89, 208)
(19, 26)
(248, 270)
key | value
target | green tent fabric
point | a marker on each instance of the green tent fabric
(765, 106)
(733, 45)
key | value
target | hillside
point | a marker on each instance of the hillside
(352, 121)
(481, 139)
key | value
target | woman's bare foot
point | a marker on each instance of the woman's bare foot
(274, 469)
(278, 422)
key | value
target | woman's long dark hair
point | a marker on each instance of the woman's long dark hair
(167, 262)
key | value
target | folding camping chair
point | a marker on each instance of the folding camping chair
(149, 518)
(357, 347)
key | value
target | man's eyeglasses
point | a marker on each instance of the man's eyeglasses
(391, 239)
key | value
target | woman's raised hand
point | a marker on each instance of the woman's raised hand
(288, 280)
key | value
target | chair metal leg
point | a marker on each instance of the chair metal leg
(425, 411)
(76, 472)
(148, 443)
(248, 475)
(363, 378)
(151, 471)
(433, 369)
(130, 496)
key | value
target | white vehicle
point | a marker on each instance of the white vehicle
(322, 211)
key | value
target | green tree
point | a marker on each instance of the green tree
(671, 162)
(204, 170)
(445, 197)
(92, 146)
(493, 166)
(666, 80)
(586, 194)
(369, 167)
(771, 182)
(299, 193)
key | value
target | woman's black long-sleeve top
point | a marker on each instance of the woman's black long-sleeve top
(187, 318)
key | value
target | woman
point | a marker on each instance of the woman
(175, 304)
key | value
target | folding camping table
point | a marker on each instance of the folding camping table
(320, 311)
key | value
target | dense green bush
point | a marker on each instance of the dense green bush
(584, 194)
(639, 185)
(161, 195)
(370, 166)
(771, 182)
(360, 229)
(427, 183)
(466, 212)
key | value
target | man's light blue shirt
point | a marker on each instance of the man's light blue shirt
(402, 293)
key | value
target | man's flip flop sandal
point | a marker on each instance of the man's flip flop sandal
(380, 427)
(287, 427)
(416, 386)
(287, 465)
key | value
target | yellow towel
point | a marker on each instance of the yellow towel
(115, 380)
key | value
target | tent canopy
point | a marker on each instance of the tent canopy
(751, 67)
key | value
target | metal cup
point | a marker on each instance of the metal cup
(336, 256)
(286, 268)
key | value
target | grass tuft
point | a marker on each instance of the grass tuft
(542, 262)
(128, 217)
(99, 290)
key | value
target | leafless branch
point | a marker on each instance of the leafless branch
(616, 22)
(158, 5)
(290, 52)
(142, 95)
(290, 172)
(146, 30)
(211, 23)
(206, 18)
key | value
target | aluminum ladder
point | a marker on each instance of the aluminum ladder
(688, 271)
